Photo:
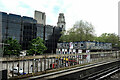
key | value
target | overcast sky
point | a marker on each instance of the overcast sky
(103, 14)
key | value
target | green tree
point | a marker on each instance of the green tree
(109, 37)
(12, 48)
(81, 31)
(64, 37)
(37, 46)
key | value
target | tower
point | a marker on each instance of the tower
(61, 21)
(40, 17)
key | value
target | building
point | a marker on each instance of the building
(48, 32)
(24, 29)
(28, 31)
(61, 21)
(40, 17)
(51, 43)
(83, 46)
(8, 25)
(40, 31)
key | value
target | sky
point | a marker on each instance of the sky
(103, 14)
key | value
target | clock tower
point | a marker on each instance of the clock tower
(61, 21)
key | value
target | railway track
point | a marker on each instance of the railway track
(95, 76)
(106, 77)
(102, 75)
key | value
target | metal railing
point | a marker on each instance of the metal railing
(21, 66)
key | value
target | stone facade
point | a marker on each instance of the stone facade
(40, 17)
(61, 21)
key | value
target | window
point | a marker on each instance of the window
(65, 52)
(76, 50)
(110, 45)
(75, 44)
(81, 44)
(67, 45)
(42, 16)
(14, 69)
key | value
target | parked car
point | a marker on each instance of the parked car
(15, 71)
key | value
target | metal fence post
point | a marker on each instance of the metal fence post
(33, 66)
(41, 65)
(23, 66)
(37, 64)
(13, 69)
(7, 68)
(45, 64)
(18, 67)
(54, 62)
(48, 63)
(51, 63)
(28, 66)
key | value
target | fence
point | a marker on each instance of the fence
(18, 66)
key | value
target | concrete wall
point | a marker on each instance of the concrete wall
(40, 17)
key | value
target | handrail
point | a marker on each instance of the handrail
(51, 56)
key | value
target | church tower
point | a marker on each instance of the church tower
(61, 21)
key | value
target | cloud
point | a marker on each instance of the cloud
(101, 13)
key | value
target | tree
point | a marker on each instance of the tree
(81, 31)
(64, 37)
(13, 47)
(37, 46)
(109, 38)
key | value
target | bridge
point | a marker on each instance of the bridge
(94, 65)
